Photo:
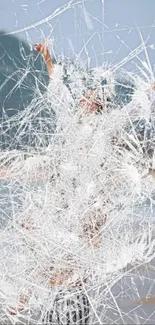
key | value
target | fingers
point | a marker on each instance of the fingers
(37, 46)
(42, 48)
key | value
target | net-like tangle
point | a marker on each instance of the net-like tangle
(77, 202)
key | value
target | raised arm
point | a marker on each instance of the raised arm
(43, 50)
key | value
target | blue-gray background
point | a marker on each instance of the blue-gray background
(112, 24)
(96, 31)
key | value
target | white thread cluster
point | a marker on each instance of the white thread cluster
(90, 168)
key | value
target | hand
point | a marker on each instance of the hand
(42, 49)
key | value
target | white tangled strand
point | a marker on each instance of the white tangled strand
(92, 168)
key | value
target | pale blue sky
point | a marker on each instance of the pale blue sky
(114, 25)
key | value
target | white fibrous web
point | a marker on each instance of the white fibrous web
(77, 175)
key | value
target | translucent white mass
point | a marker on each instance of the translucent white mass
(87, 195)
